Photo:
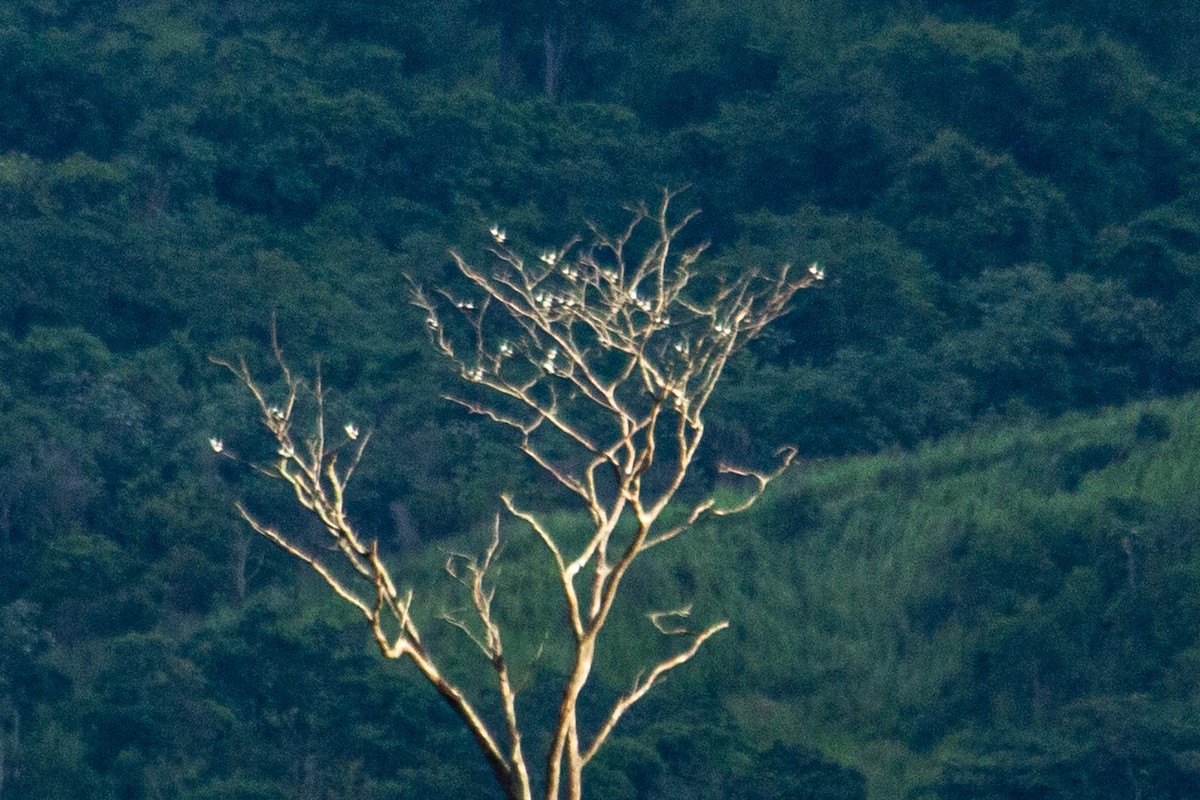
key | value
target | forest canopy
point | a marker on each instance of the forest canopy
(1004, 198)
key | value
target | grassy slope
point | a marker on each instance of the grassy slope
(863, 590)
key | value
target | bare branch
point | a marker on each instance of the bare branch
(329, 578)
(644, 685)
(564, 572)
(656, 619)
(319, 482)
(709, 507)
(619, 356)
(601, 357)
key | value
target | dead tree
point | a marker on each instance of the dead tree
(601, 358)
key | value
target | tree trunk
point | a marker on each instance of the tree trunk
(15, 770)
(508, 69)
(554, 40)
(239, 555)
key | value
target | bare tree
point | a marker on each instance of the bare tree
(601, 358)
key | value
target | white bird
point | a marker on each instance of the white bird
(216, 444)
(497, 234)
(351, 430)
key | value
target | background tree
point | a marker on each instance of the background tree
(602, 362)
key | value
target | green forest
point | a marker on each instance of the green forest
(981, 581)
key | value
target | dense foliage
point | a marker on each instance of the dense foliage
(1005, 199)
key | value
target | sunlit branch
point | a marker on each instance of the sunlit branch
(644, 685)
(600, 358)
(319, 483)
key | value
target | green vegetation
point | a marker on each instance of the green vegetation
(1011, 607)
(995, 597)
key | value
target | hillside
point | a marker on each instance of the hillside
(1008, 611)
(1005, 613)
(977, 585)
